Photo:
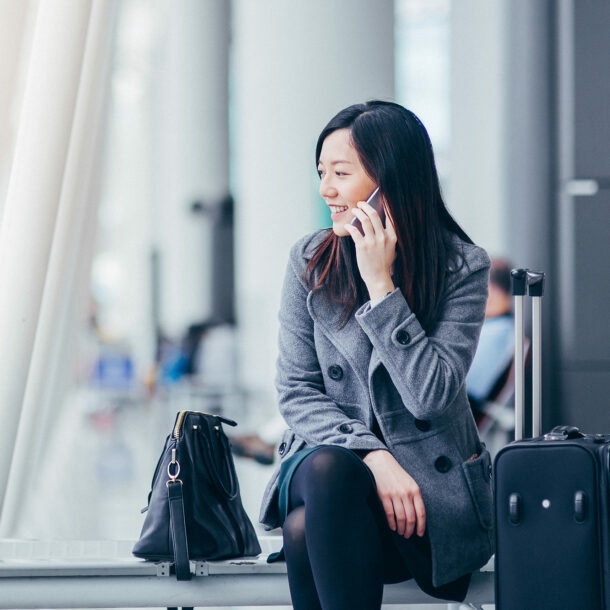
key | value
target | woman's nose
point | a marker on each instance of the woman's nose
(326, 188)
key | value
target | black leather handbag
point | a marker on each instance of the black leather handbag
(194, 507)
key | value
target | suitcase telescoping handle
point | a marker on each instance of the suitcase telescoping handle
(519, 286)
(530, 282)
(535, 287)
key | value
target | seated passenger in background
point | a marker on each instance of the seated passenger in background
(497, 342)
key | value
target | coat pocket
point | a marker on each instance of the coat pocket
(478, 477)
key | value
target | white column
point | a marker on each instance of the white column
(479, 85)
(65, 296)
(191, 154)
(33, 197)
(295, 64)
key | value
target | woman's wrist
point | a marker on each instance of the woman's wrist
(374, 455)
(381, 290)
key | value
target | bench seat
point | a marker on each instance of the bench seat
(104, 574)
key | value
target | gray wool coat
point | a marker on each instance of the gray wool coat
(331, 380)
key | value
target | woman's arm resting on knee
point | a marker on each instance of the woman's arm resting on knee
(399, 493)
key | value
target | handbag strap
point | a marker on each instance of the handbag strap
(178, 529)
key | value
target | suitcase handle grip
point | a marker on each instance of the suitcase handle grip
(535, 283)
(561, 433)
(519, 281)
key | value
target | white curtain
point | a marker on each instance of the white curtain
(15, 29)
(47, 228)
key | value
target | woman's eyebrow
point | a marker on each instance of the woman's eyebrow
(336, 162)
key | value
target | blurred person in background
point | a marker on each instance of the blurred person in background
(382, 475)
(497, 341)
(489, 384)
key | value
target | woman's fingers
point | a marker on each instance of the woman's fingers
(388, 508)
(399, 493)
(405, 514)
(410, 520)
(368, 216)
(411, 516)
(401, 512)
(420, 511)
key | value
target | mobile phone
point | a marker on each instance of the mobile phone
(376, 203)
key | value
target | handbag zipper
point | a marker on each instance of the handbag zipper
(182, 415)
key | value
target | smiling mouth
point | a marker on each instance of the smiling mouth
(338, 209)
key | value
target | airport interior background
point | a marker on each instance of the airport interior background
(157, 163)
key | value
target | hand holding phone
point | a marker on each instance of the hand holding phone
(376, 203)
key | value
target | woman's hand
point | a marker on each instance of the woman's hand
(375, 250)
(399, 493)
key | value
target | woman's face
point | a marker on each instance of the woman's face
(343, 181)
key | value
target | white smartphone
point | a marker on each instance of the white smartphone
(376, 203)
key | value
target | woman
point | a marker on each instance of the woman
(382, 474)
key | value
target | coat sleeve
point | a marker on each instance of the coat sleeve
(303, 401)
(429, 370)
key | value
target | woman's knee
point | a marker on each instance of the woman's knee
(334, 470)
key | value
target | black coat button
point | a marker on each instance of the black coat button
(345, 429)
(403, 337)
(423, 425)
(335, 372)
(443, 464)
(281, 449)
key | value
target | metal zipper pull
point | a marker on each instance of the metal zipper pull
(173, 468)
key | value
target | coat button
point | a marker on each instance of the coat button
(443, 464)
(345, 429)
(423, 425)
(335, 372)
(403, 337)
(281, 449)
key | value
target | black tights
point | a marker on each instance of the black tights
(332, 539)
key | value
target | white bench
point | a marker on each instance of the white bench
(104, 574)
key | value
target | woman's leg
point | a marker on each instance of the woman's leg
(331, 538)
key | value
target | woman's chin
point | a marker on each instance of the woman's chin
(339, 229)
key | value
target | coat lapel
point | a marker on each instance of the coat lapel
(350, 340)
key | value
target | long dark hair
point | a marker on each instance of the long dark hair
(395, 151)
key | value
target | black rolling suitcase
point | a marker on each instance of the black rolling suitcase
(551, 498)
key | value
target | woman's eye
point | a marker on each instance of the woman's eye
(320, 173)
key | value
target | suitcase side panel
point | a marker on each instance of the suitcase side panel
(547, 526)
